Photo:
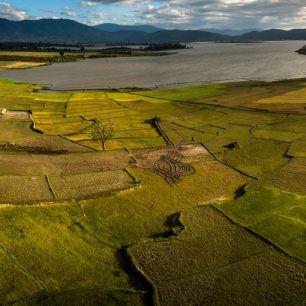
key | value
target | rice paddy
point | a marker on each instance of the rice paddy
(197, 197)
(221, 265)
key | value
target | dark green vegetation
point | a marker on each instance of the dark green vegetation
(165, 46)
(110, 228)
(302, 50)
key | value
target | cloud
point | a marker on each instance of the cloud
(95, 18)
(195, 14)
(112, 2)
(12, 13)
(87, 3)
(182, 14)
(68, 12)
(199, 14)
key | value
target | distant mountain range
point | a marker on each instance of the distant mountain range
(69, 31)
(112, 27)
(275, 34)
(230, 32)
(47, 30)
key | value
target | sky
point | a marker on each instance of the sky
(169, 14)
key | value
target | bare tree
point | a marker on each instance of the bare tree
(102, 131)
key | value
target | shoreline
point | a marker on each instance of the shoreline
(204, 64)
(48, 88)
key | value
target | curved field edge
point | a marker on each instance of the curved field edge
(274, 214)
(186, 255)
(152, 286)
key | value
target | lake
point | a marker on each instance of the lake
(204, 63)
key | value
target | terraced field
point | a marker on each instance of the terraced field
(197, 198)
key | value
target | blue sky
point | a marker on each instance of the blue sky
(84, 11)
(181, 14)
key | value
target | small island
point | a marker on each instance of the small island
(166, 46)
(302, 50)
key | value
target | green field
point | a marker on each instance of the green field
(192, 196)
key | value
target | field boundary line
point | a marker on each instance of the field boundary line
(250, 229)
(275, 140)
(161, 131)
(76, 143)
(23, 269)
(131, 156)
(218, 127)
(134, 179)
(86, 228)
(241, 108)
(186, 276)
(50, 187)
(188, 128)
(226, 164)
(154, 290)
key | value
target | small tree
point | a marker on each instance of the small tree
(102, 131)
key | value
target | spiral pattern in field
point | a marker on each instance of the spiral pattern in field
(171, 167)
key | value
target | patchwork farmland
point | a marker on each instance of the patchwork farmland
(135, 197)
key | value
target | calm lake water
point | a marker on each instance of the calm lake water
(205, 63)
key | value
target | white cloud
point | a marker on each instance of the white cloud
(87, 3)
(112, 2)
(196, 14)
(10, 12)
(183, 14)
(68, 12)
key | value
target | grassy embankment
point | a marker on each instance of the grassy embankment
(124, 203)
